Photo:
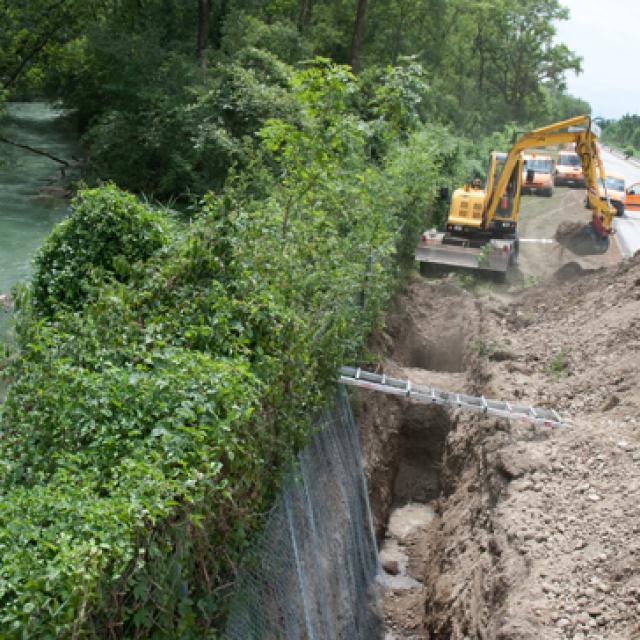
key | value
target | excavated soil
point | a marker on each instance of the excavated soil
(506, 530)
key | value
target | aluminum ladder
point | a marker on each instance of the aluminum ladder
(428, 395)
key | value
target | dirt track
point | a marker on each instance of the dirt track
(539, 219)
(497, 530)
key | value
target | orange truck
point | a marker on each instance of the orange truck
(537, 175)
(616, 191)
(632, 198)
(568, 171)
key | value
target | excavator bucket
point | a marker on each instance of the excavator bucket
(437, 248)
(583, 240)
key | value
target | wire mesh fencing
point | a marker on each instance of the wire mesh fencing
(312, 574)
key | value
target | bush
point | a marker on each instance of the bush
(558, 365)
(100, 470)
(148, 150)
(280, 38)
(108, 232)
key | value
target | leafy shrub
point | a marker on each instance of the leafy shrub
(100, 461)
(143, 439)
(281, 38)
(623, 133)
(558, 365)
(108, 232)
(486, 349)
(146, 150)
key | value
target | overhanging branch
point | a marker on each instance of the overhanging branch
(39, 152)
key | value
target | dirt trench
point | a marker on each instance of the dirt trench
(406, 461)
(425, 345)
(418, 455)
(497, 530)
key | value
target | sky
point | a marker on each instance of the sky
(606, 34)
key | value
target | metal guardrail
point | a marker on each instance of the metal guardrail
(429, 395)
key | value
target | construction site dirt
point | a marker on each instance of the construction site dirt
(509, 530)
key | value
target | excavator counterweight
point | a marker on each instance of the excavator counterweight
(435, 247)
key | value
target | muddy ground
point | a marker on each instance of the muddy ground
(497, 529)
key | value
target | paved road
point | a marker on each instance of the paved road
(627, 227)
(615, 163)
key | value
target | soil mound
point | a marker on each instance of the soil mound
(569, 271)
(535, 532)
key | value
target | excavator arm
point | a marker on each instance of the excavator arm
(577, 130)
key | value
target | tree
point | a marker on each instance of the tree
(358, 32)
(409, 28)
(204, 15)
(560, 105)
(522, 55)
(136, 72)
(28, 30)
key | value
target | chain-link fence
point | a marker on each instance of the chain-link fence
(312, 576)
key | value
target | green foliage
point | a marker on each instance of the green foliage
(106, 235)
(623, 134)
(488, 62)
(558, 105)
(281, 39)
(30, 37)
(402, 95)
(151, 416)
(472, 156)
(94, 463)
(558, 365)
(174, 142)
(485, 349)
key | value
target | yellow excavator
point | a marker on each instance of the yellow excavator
(482, 226)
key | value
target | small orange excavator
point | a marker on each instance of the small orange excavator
(482, 226)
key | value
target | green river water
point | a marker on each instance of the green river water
(26, 215)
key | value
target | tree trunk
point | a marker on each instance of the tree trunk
(204, 15)
(304, 19)
(358, 32)
(215, 34)
(479, 46)
(397, 36)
